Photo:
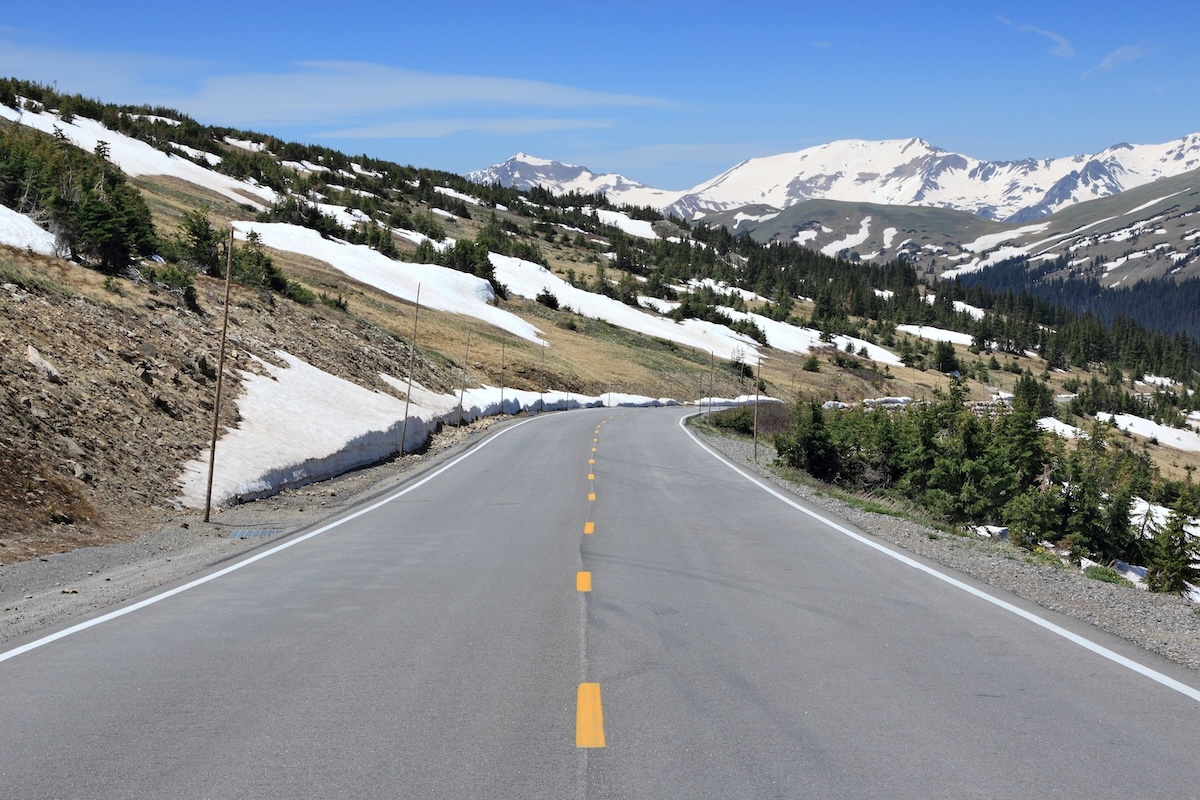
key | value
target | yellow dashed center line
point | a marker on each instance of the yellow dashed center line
(589, 717)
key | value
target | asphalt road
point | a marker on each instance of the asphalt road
(443, 643)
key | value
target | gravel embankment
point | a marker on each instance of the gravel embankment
(1165, 624)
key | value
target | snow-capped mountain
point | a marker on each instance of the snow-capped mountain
(904, 172)
(525, 171)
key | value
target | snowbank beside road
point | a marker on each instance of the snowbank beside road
(300, 424)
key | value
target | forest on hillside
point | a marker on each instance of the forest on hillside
(1161, 304)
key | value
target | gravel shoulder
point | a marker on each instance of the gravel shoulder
(41, 594)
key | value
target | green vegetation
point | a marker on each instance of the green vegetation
(1107, 575)
(967, 466)
(85, 201)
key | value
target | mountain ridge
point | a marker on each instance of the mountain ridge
(888, 172)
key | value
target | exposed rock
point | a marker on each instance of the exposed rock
(35, 360)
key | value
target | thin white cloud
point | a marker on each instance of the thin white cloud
(1062, 48)
(438, 128)
(320, 90)
(302, 93)
(1122, 55)
(113, 77)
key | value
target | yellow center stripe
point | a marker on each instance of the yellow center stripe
(589, 717)
(589, 527)
(583, 581)
(592, 496)
(591, 476)
(591, 461)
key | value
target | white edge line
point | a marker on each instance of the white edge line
(120, 612)
(1058, 630)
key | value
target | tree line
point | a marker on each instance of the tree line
(969, 467)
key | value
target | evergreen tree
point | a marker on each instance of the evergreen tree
(807, 445)
(199, 242)
(944, 358)
(1172, 553)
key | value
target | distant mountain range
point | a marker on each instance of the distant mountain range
(897, 172)
(1123, 215)
(525, 172)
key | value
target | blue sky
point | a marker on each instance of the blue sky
(667, 93)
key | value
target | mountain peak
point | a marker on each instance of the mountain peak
(534, 161)
(524, 171)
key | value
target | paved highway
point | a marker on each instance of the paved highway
(589, 605)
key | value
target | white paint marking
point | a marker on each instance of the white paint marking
(149, 601)
(1058, 630)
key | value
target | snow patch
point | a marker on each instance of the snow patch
(634, 227)
(853, 240)
(937, 334)
(19, 230)
(1178, 438)
(441, 288)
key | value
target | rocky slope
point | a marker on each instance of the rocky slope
(109, 388)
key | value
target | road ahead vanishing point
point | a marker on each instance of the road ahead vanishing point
(589, 605)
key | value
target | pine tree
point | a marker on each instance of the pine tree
(1173, 552)
(808, 445)
(199, 242)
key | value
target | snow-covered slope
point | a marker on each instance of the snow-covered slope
(440, 287)
(136, 158)
(914, 172)
(899, 172)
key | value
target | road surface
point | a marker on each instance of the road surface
(588, 605)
